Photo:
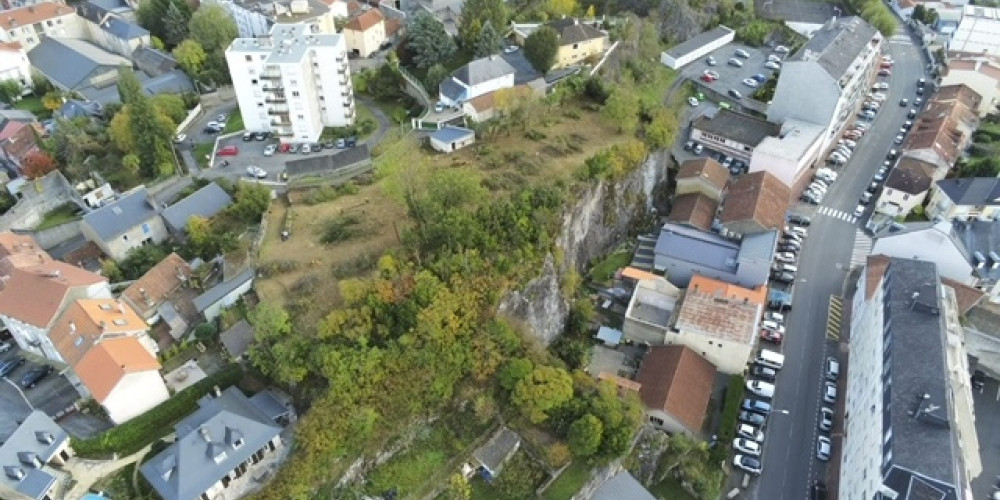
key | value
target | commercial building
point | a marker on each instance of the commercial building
(832, 72)
(909, 428)
(682, 251)
(978, 33)
(790, 154)
(293, 83)
(733, 134)
(697, 47)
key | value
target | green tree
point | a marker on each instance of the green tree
(110, 270)
(428, 40)
(622, 108)
(250, 202)
(141, 128)
(150, 14)
(435, 75)
(541, 47)
(489, 41)
(476, 14)
(545, 388)
(190, 56)
(276, 351)
(562, 8)
(458, 488)
(919, 11)
(519, 479)
(661, 128)
(584, 435)
(171, 106)
(175, 22)
(515, 370)
(129, 86)
(140, 260)
(10, 91)
(212, 28)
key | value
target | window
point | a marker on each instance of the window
(248, 58)
(124, 237)
(906, 197)
(120, 322)
(253, 81)
(260, 105)
(238, 443)
(302, 117)
(576, 46)
(657, 421)
(49, 23)
(295, 93)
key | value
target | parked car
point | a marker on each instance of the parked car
(228, 151)
(781, 49)
(784, 257)
(759, 77)
(247, 136)
(763, 372)
(785, 247)
(801, 220)
(810, 199)
(823, 448)
(748, 431)
(213, 128)
(866, 198)
(179, 138)
(831, 368)
(747, 446)
(261, 136)
(772, 325)
(750, 82)
(899, 139)
(742, 53)
(771, 336)
(34, 376)
(222, 118)
(756, 405)
(892, 154)
(773, 58)
(6, 345)
(825, 419)
(885, 72)
(10, 364)
(693, 101)
(904, 102)
(817, 491)
(689, 145)
(270, 149)
(711, 61)
(510, 49)
(772, 65)
(829, 392)
(306, 149)
(698, 149)
(256, 172)
(735, 63)
(859, 211)
(750, 417)
(747, 464)
(918, 101)
(761, 389)
(785, 277)
(735, 94)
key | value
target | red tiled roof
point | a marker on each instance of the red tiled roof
(148, 292)
(26, 16)
(759, 197)
(677, 380)
(365, 21)
(111, 360)
(966, 296)
(717, 315)
(704, 168)
(693, 209)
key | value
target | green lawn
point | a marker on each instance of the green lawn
(235, 123)
(481, 490)
(61, 215)
(202, 151)
(34, 104)
(569, 482)
(604, 270)
(670, 489)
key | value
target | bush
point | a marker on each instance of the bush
(730, 412)
(206, 332)
(131, 436)
(277, 267)
(340, 229)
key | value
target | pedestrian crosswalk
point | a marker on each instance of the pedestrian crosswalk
(900, 38)
(834, 315)
(837, 214)
(862, 247)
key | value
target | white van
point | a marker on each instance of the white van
(770, 359)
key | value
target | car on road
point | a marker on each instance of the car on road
(32, 377)
(747, 464)
(831, 368)
(774, 316)
(904, 103)
(179, 138)
(907, 124)
(510, 49)
(772, 325)
(256, 172)
(892, 154)
(829, 392)
(760, 388)
(885, 72)
(823, 448)
(817, 491)
(866, 198)
(222, 118)
(742, 53)
(750, 417)
(750, 82)
(735, 94)
(711, 61)
(228, 151)
(735, 63)
(825, 419)
(756, 405)
(785, 257)
(213, 128)
(772, 65)
(899, 139)
(748, 431)
(921, 82)
(918, 101)
(10, 364)
(859, 211)
(747, 446)
(801, 220)
(911, 114)
(439, 107)
(270, 149)
(693, 101)
(770, 335)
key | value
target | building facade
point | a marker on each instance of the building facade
(14, 64)
(30, 24)
(292, 84)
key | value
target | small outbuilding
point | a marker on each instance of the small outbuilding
(449, 138)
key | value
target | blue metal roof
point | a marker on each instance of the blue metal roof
(449, 134)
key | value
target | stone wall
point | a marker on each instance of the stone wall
(37, 198)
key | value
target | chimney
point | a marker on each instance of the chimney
(205, 435)
(72, 327)
(121, 306)
(216, 391)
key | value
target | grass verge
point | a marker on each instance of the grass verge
(568, 483)
(60, 215)
(34, 104)
(235, 123)
(604, 270)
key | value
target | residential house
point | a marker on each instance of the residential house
(906, 187)
(702, 175)
(693, 209)
(480, 76)
(31, 24)
(237, 339)
(154, 62)
(19, 140)
(578, 42)
(676, 387)
(905, 330)
(731, 133)
(832, 72)
(53, 284)
(29, 454)
(944, 128)
(158, 294)
(123, 377)
(965, 199)
(449, 138)
(981, 74)
(211, 303)
(720, 321)
(126, 224)
(490, 458)
(482, 108)
(206, 202)
(98, 196)
(681, 251)
(754, 203)
(14, 64)
(650, 310)
(86, 323)
(109, 29)
(321, 95)
(622, 486)
(219, 446)
(365, 34)
(976, 33)
(697, 47)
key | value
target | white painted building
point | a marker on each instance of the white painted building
(978, 33)
(695, 48)
(479, 77)
(14, 64)
(293, 83)
(832, 72)
(981, 74)
(789, 154)
(28, 25)
(255, 18)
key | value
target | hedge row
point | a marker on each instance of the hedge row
(730, 412)
(131, 436)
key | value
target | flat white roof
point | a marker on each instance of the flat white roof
(795, 140)
(978, 33)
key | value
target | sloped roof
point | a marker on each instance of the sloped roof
(483, 70)
(187, 468)
(738, 127)
(104, 365)
(205, 202)
(84, 321)
(75, 108)
(961, 93)
(573, 31)
(966, 296)
(153, 62)
(693, 209)
(217, 292)
(719, 288)
(50, 283)
(450, 134)
(699, 41)
(705, 168)
(971, 190)
(237, 338)
(498, 449)
(622, 486)
(911, 176)
(938, 134)
(153, 288)
(115, 218)
(837, 44)
(759, 197)
(71, 63)
(31, 14)
(37, 435)
(677, 380)
(365, 21)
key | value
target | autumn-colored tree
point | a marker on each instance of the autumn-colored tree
(52, 100)
(37, 164)
(191, 56)
(545, 388)
(560, 8)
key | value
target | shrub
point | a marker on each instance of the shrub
(340, 229)
(277, 267)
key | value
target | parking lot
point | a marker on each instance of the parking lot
(730, 77)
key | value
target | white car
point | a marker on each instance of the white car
(772, 65)
(693, 101)
(878, 96)
(899, 139)
(827, 172)
(859, 211)
(222, 118)
(777, 317)
(825, 419)
(747, 446)
(750, 82)
(849, 143)
(748, 431)
(747, 464)
(785, 257)
(829, 392)
(823, 448)
(179, 138)
(510, 49)
(270, 149)
(781, 49)
(773, 58)
(772, 326)
(761, 389)
(439, 107)
(256, 172)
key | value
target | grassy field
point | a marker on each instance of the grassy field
(61, 215)
(34, 104)
(569, 482)
(202, 151)
(235, 123)
(603, 271)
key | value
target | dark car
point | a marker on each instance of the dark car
(756, 405)
(261, 136)
(32, 377)
(750, 417)
(735, 94)
(764, 373)
(801, 220)
(10, 364)
(351, 141)
(330, 144)
(817, 491)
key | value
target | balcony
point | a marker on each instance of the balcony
(270, 75)
(275, 100)
(342, 70)
(278, 117)
(272, 88)
(348, 102)
(279, 109)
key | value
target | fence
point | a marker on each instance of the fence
(50, 237)
(192, 116)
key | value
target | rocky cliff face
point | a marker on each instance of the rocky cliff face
(591, 227)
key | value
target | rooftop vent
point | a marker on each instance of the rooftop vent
(45, 437)
(14, 472)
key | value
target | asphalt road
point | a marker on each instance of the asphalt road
(789, 459)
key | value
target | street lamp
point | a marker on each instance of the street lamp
(19, 391)
(783, 412)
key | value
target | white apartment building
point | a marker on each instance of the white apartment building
(832, 72)
(909, 431)
(292, 84)
(254, 18)
(14, 64)
(28, 25)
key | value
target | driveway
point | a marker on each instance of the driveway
(730, 77)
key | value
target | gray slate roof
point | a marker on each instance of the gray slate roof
(739, 127)
(699, 41)
(217, 292)
(174, 82)
(836, 45)
(497, 450)
(918, 366)
(745, 263)
(452, 90)
(18, 115)
(449, 134)
(115, 218)
(271, 405)
(205, 202)
(237, 338)
(105, 14)
(75, 108)
(972, 190)
(153, 62)
(71, 63)
(572, 31)
(30, 438)
(622, 486)
(982, 237)
(483, 70)
(187, 468)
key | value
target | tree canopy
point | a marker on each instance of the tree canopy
(428, 41)
(541, 47)
(476, 14)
